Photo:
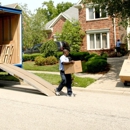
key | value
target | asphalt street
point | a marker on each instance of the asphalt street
(30, 110)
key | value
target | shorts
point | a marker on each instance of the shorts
(118, 49)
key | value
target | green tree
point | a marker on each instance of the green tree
(32, 27)
(49, 48)
(26, 15)
(37, 27)
(61, 7)
(72, 34)
(115, 8)
(51, 11)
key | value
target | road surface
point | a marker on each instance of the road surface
(26, 109)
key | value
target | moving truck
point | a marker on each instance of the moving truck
(11, 36)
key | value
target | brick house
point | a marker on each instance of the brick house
(101, 30)
(55, 25)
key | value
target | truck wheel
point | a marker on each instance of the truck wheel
(125, 83)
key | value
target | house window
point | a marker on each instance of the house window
(96, 41)
(95, 13)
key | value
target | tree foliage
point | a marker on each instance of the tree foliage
(72, 34)
(33, 24)
(115, 8)
(32, 27)
(61, 7)
(26, 15)
(37, 26)
(49, 48)
(51, 11)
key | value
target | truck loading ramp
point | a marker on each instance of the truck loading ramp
(32, 79)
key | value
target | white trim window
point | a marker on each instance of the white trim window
(93, 13)
(98, 40)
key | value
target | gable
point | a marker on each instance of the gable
(79, 2)
(70, 14)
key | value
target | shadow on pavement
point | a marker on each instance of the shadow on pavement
(20, 89)
(121, 85)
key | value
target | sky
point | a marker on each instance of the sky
(33, 5)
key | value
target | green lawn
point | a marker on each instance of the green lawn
(6, 76)
(53, 79)
(31, 66)
(77, 82)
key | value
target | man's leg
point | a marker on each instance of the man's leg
(68, 84)
(62, 83)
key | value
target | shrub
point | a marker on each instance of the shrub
(79, 55)
(58, 54)
(84, 68)
(39, 60)
(96, 65)
(90, 56)
(104, 55)
(51, 60)
(49, 48)
(31, 57)
(123, 51)
(97, 57)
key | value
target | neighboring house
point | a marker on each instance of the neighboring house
(15, 5)
(101, 31)
(55, 25)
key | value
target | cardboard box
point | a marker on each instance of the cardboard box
(125, 71)
(73, 68)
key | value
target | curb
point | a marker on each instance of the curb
(101, 91)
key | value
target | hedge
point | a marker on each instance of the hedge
(31, 57)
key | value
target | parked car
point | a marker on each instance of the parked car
(34, 49)
(62, 45)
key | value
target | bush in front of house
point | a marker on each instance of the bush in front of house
(31, 57)
(74, 55)
(90, 56)
(84, 68)
(79, 55)
(49, 48)
(97, 57)
(96, 65)
(51, 60)
(39, 60)
(58, 54)
(123, 51)
(104, 55)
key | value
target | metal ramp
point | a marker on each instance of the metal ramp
(32, 79)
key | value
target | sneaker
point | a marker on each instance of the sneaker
(57, 93)
(71, 95)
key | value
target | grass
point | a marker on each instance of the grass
(31, 66)
(52, 78)
(6, 76)
(77, 82)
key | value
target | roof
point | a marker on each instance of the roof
(70, 14)
(79, 2)
(11, 5)
(10, 10)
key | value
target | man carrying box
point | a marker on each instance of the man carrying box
(66, 78)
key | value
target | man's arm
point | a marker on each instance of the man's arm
(70, 62)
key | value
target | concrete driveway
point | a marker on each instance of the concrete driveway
(110, 82)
